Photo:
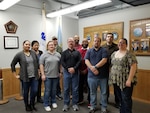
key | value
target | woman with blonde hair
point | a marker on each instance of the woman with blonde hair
(50, 70)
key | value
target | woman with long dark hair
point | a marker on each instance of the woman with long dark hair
(28, 74)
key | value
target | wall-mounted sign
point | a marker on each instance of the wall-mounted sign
(11, 27)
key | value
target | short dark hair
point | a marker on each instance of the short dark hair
(33, 42)
(109, 33)
(54, 38)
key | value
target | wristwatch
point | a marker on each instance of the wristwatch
(96, 67)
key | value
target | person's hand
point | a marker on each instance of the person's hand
(71, 70)
(17, 76)
(60, 75)
(43, 77)
(94, 70)
(128, 83)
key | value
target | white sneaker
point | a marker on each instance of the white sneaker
(54, 105)
(47, 108)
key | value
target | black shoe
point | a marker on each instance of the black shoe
(33, 108)
(59, 97)
(39, 100)
(28, 108)
(117, 106)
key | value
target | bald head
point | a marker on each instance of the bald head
(76, 39)
(70, 42)
(85, 43)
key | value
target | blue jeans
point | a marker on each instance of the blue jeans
(50, 85)
(126, 98)
(58, 92)
(71, 80)
(32, 85)
(93, 85)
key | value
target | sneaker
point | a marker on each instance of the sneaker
(89, 106)
(75, 107)
(54, 105)
(104, 111)
(92, 110)
(47, 108)
(65, 108)
(59, 97)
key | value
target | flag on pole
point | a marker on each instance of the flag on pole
(59, 31)
(43, 33)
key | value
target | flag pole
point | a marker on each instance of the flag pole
(43, 33)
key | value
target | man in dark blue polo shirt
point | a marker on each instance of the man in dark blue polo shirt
(98, 71)
(70, 60)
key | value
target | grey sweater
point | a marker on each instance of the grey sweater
(21, 59)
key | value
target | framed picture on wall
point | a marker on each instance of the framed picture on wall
(102, 30)
(135, 45)
(140, 36)
(11, 42)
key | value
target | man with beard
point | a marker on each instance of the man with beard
(98, 71)
(83, 73)
(70, 60)
(76, 40)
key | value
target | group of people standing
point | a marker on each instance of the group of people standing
(80, 66)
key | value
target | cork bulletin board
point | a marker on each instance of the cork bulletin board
(140, 36)
(102, 30)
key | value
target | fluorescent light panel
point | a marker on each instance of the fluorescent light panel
(78, 7)
(5, 4)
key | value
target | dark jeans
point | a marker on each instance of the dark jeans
(58, 92)
(30, 89)
(39, 88)
(117, 98)
(126, 98)
(82, 85)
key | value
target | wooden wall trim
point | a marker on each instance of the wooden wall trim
(141, 92)
(11, 85)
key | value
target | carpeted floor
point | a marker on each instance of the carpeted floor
(15, 106)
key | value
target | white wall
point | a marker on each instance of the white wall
(29, 23)
(30, 26)
(69, 29)
(120, 16)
